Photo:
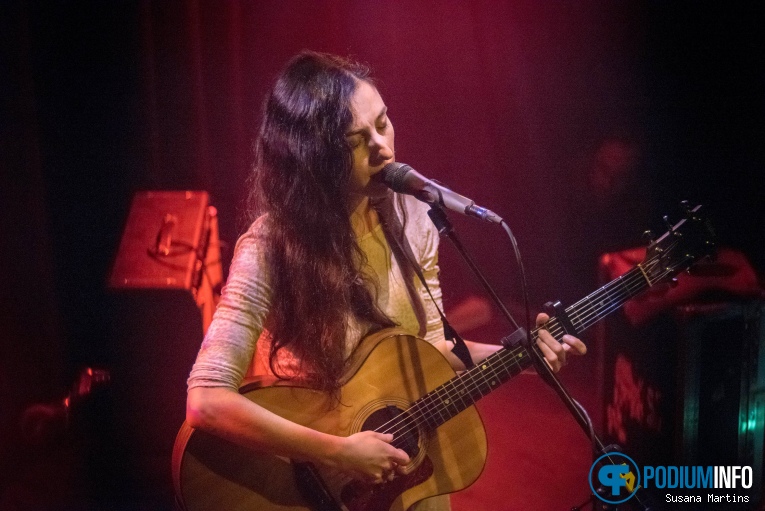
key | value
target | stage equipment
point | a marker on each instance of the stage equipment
(171, 242)
(165, 281)
(684, 368)
(45, 423)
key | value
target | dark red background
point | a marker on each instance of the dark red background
(506, 102)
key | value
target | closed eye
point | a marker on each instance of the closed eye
(355, 141)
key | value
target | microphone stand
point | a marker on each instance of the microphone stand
(446, 229)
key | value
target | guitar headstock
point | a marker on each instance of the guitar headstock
(684, 244)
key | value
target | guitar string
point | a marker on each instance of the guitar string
(587, 319)
(635, 280)
(637, 277)
(585, 314)
(596, 317)
(607, 299)
(505, 357)
(502, 362)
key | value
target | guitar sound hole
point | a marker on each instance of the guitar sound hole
(391, 419)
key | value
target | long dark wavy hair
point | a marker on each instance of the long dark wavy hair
(301, 184)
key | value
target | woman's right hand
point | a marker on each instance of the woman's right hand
(370, 457)
(367, 456)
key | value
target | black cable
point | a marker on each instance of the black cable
(524, 284)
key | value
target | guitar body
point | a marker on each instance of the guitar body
(389, 371)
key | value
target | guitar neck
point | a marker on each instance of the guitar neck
(454, 396)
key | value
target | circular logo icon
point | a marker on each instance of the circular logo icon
(614, 478)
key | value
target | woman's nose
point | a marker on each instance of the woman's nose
(380, 150)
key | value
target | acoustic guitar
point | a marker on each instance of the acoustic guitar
(399, 384)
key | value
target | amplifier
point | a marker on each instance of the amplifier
(171, 242)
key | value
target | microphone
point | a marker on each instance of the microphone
(402, 178)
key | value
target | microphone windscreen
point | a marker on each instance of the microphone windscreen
(393, 175)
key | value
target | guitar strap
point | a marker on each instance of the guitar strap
(402, 251)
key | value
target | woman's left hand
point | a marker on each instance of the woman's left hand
(555, 352)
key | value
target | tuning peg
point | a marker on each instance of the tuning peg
(648, 236)
(688, 211)
(669, 224)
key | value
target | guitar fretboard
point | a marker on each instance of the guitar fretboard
(454, 396)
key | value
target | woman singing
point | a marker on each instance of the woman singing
(316, 271)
